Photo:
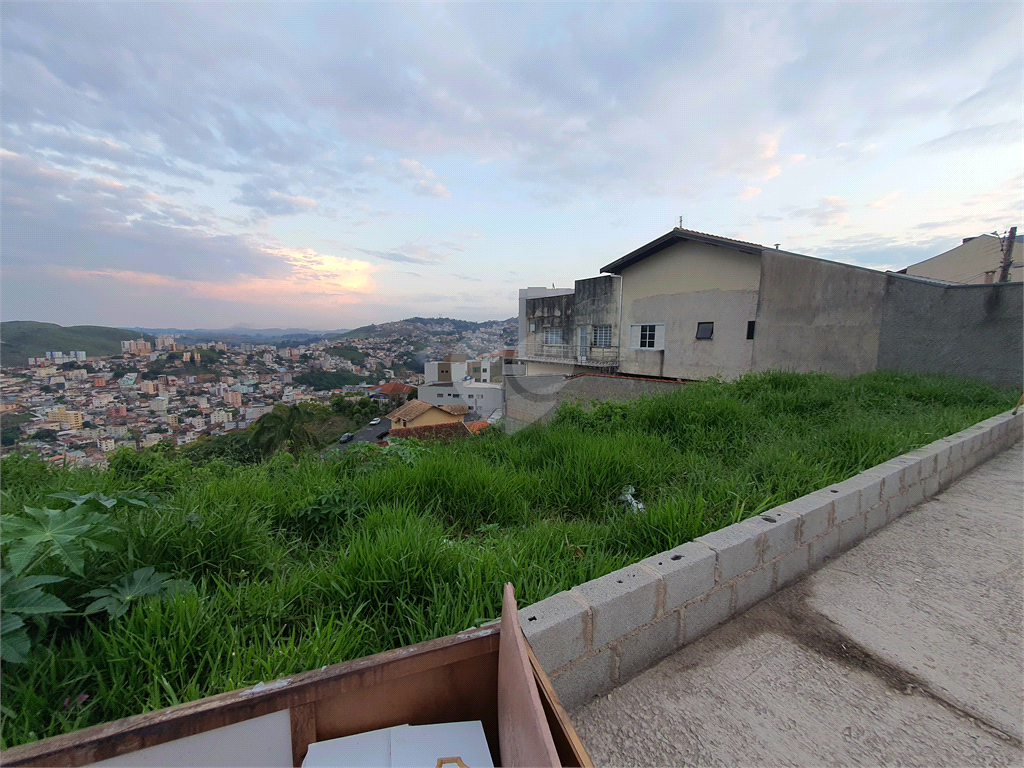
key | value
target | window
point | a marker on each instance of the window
(602, 335)
(750, 329)
(705, 330)
(440, 394)
(533, 327)
(552, 335)
(647, 336)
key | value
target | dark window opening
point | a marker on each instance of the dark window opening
(750, 329)
(647, 336)
(705, 330)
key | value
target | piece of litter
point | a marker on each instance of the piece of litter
(633, 505)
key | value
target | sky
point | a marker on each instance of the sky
(331, 165)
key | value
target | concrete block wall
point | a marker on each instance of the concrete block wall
(598, 635)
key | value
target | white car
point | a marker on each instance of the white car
(374, 422)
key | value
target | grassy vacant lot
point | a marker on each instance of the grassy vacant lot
(300, 563)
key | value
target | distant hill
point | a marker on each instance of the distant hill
(240, 334)
(430, 325)
(22, 339)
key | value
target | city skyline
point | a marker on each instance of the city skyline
(335, 165)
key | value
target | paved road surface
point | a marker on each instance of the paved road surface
(906, 650)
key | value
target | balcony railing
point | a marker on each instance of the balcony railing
(598, 357)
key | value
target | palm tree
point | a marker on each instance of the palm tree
(286, 425)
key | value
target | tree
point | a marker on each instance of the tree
(285, 426)
(46, 435)
(9, 435)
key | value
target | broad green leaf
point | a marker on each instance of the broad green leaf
(14, 640)
(116, 598)
(59, 533)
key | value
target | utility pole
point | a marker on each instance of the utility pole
(1004, 268)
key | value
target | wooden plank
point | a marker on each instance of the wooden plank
(570, 748)
(303, 719)
(140, 731)
(522, 725)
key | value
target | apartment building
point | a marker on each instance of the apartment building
(480, 398)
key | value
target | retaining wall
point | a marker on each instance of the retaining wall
(534, 399)
(600, 634)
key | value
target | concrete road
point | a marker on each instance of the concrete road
(906, 650)
(366, 434)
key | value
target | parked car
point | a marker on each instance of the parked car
(347, 437)
(374, 422)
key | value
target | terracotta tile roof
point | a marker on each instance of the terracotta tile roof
(476, 427)
(392, 388)
(454, 410)
(410, 410)
(451, 430)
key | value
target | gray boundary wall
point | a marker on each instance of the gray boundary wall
(534, 399)
(600, 634)
(817, 315)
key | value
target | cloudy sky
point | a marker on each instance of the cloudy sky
(330, 165)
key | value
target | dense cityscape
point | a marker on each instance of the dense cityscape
(75, 410)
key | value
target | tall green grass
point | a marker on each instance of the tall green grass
(302, 562)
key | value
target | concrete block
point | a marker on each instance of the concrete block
(620, 602)
(737, 551)
(846, 497)
(591, 677)
(931, 486)
(877, 517)
(915, 495)
(852, 532)
(753, 587)
(870, 493)
(649, 645)
(891, 475)
(778, 531)
(911, 470)
(946, 477)
(815, 511)
(927, 458)
(701, 616)
(956, 449)
(898, 505)
(557, 628)
(941, 456)
(824, 548)
(792, 566)
(688, 571)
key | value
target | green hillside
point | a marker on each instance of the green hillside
(22, 339)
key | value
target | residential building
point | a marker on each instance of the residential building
(976, 260)
(73, 419)
(479, 398)
(158, 404)
(136, 347)
(106, 444)
(219, 416)
(690, 306)
(148, 387)
(450, 368)
(389, 390)
(417, 413)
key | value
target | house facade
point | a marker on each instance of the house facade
(690, 306)
(976, 260)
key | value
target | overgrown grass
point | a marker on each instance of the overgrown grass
(303, 562)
